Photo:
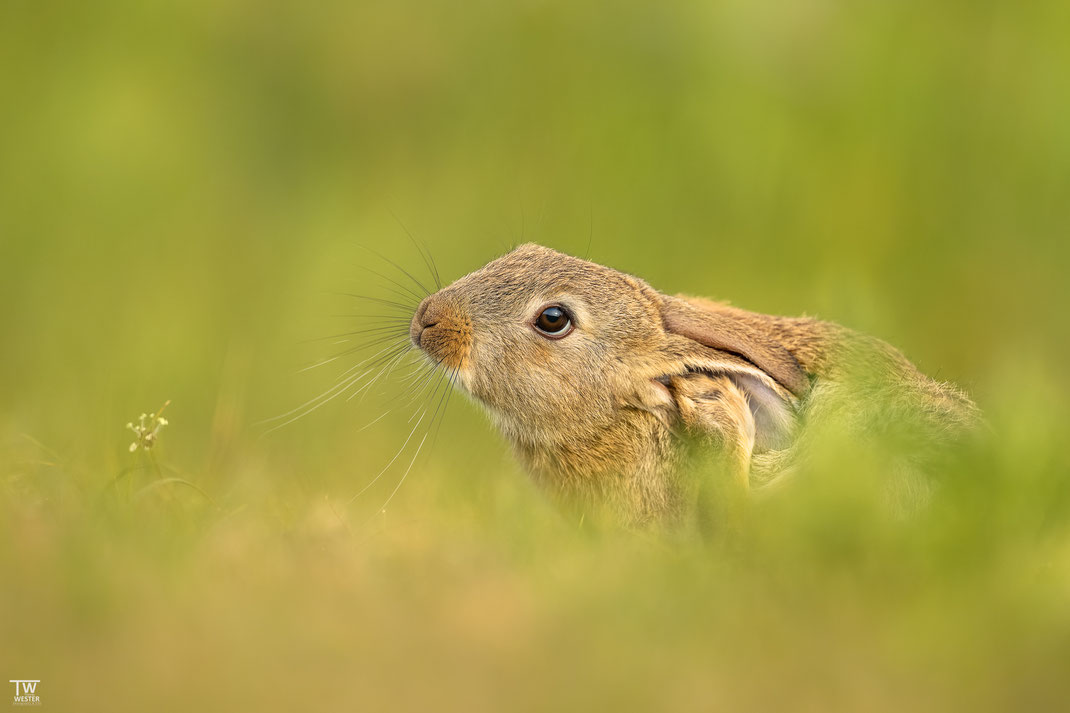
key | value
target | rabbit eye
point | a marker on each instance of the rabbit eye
(553, 322)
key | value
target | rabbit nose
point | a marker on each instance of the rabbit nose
(427, 315)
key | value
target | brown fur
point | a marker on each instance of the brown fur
(602, 415)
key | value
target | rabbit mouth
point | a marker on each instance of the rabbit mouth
(446, 344)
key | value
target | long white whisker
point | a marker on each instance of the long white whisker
(315, 403)
(322, 398)
(391, 409)
(387, 466)
(360, 363)
(377, 420)
(390, 340)
(377, 376)
(434, 392)
(321, 363)
(418, 367)
(393, 365)
(404, 475)
(418, 387)
(430, 426)
(445, 405)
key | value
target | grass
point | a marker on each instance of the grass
(184, 191)
(170, 600)
(268, 590)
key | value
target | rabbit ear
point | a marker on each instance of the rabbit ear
(735, 331)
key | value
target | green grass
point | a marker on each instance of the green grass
(184, 192)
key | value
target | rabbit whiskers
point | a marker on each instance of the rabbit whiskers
(387, 332)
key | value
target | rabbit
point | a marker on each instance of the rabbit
(604, 386)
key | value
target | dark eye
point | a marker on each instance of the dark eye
(553, 321)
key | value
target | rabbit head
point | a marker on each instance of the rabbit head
(580, 365)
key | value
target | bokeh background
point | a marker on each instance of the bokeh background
(188, 190)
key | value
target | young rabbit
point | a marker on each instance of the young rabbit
(602, 385)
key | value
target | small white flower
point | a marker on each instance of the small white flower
(147, 435)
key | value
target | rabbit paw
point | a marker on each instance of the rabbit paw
(714, 409)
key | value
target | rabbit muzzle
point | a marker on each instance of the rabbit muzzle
(442, 330)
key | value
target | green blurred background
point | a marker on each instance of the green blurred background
(185, 190)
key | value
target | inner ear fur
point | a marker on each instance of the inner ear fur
(738, 333)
